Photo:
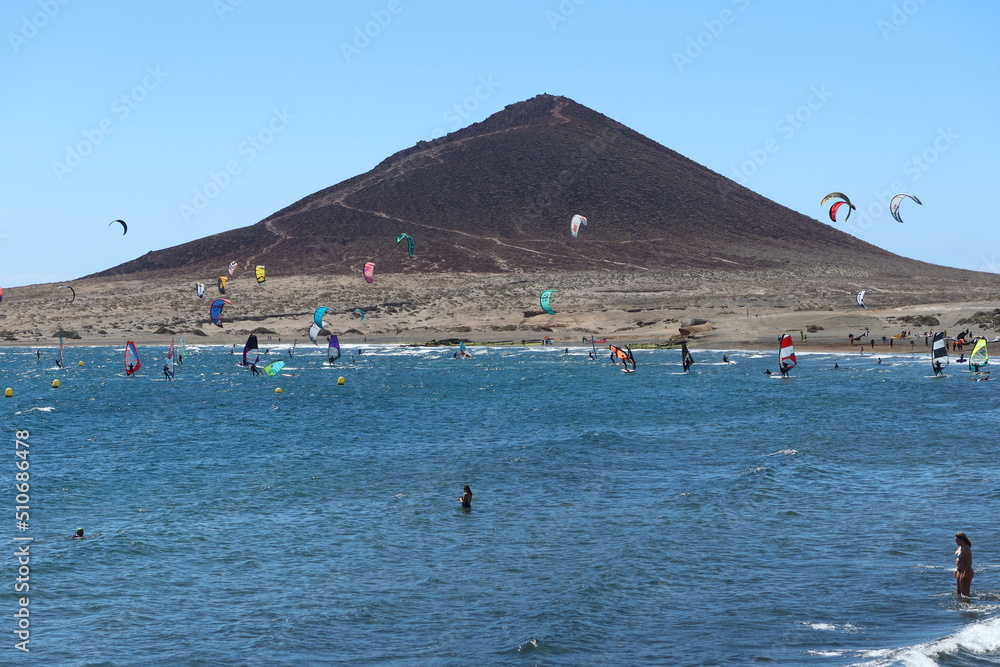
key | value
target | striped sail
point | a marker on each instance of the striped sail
(786, 352)
(939, 352)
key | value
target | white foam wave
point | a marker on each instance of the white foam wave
(784, 452)
(977, 638)
(44, 409)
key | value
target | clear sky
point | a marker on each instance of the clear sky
(192, 117)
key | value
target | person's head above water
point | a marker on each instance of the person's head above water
(79, 532)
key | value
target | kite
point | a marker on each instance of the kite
(574, 225)
(896, 201)
(369, 271)
(223, 281)
(318, 315)
(274, 368)
(259, 272)
(544, 300)
(122, 223)
(216, 311)
(357, 311)
(836, 207)
(200, 287)
(73, 291)
(232, 268)
(410, 243)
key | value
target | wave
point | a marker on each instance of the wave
(979, 639)
(44, 409)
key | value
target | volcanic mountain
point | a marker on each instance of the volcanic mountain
(498, 196)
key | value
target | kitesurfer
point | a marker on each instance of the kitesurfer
(466, 498)
(254, 369)
(767, 371)
(963, 563)
(725, 359)
(836, 366)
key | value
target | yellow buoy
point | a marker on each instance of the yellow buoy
(8, 392)
(55, 384)
(80, 364)
(340, 380)
(277, 390)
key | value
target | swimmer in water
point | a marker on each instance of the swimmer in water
(466, 498)
(963, 563)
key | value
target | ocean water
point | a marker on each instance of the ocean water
(651, 518)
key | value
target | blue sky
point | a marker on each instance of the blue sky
(198, 116)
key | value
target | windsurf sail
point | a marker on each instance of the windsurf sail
(62, 360)
(861, 298)
(291, 350)
(251, 344)
(410, 243)
(222, 282)
(574, 225)
(545, 301)
(200, 287)
(686, 359)
(980, 356)
(181, 351)
(216, 311)
(333, 349)
(369, 271)
(786, 354)
(169, 366)
(462, 352)
(939, 353)
(622, 354)
(319, 313)
(274, 368)
(260, 273)
(132, 361)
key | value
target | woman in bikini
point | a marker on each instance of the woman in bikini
(963, 563)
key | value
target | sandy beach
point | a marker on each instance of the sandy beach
(734, 310)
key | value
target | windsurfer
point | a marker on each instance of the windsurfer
(131, 368)
(254, 369)
(169, 374)
(466, 498)
(937, 368)
(963, 563)
(58, 363)
(38, 356)
(784, 369)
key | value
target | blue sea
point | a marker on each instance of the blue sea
(651, 518)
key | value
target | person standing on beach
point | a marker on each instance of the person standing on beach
(963, 563)
(466, 498)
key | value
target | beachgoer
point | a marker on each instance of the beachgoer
(963, 563)
(466, 498)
